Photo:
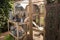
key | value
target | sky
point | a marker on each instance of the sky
(24, 3)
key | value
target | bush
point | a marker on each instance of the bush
(5, 6)
(8, 37)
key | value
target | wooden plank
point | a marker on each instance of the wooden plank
(30, 19)
(18, 37)
(11, 21)
(12, 35)
(35, 14)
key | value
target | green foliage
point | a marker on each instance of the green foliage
(5, 6)
(50, 1)
(8, 37)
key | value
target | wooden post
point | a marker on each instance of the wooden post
(8, 25)
(44, 20)
(30, 17)
(17, 32)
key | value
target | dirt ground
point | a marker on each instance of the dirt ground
(2, 35)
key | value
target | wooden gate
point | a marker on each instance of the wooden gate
(52, 22)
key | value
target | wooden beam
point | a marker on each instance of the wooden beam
(30, 17)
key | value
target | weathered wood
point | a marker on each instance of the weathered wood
(52, 22)
(30, 20)
(18, 28)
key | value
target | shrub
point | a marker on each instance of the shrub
(5, 6)
(8, 37)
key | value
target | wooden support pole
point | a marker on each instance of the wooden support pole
(8, 25)
(17, 32)
(30, 17)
